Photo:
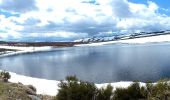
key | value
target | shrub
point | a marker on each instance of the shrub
(120, 94)
(160, 91)
(133, 92)
(5, 76)
(105, 94)
(74, 89)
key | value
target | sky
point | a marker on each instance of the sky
(67, 20)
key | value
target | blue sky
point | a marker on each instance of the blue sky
(67, 20)
(8, 14)
(165, 4)
(161, 3)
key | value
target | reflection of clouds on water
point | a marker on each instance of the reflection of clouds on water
(7, 64)
(99, 64)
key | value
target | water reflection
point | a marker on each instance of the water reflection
(109, 63)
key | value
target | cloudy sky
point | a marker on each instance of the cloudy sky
(65, 20)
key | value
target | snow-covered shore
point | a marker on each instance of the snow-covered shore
(152, 39)
(20, 50)
(50, 87)
(43, 86)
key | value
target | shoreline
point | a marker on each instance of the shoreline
(24, 50)
(50, 87)
(142, 40)
(43, 86)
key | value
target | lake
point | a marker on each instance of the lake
(100, 64)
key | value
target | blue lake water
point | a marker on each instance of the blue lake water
(109, 63)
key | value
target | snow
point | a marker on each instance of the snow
(43, 86)
(26, 48)
(20, 50)
(122, 84)
(152, 39)
(50, 87)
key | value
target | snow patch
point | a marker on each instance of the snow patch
(50, 87)
(152, 39)
(43, 86)
(21, 50)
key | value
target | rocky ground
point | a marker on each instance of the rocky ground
(18, 91)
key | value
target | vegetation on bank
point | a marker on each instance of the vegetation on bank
(18, 91)
(4, 76)
(39, 44)
(2, 51)
(75, 89)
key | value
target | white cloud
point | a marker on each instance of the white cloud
(79, 18)
(152, 6)
(120, 8)
(7, 25)
(18, 5)
(61, 34)
(7, 35)
(143, 11)
(144, 18)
